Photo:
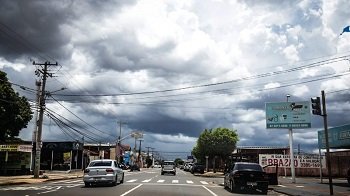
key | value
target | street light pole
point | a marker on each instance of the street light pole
(292, 168)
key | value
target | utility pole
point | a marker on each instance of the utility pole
(38, 85)
(148, 150)
(139, 159)
(39, 123)
(82, 155)
(119, 140)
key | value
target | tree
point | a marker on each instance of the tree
(15, 111)
(179, 161)
(219, 142)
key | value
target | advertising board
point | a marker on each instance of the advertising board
(300, 161)
(289, 115)
(338, 137)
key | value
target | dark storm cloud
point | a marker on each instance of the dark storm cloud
(164, 124)
(39, 23)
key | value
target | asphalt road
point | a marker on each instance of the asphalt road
(143, 183)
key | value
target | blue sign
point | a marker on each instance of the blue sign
(338, 137)
(288, 115)
(126, 157)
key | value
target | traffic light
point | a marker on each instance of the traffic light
(316, 106)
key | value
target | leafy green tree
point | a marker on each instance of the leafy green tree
(179, 161)
(15, 111)
(219, 142)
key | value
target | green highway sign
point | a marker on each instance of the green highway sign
(338, 137)
(288, 115)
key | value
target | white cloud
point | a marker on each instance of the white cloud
(17, 66)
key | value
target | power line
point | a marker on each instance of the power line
(311, 65)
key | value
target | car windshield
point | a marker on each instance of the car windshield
(100, 163)
(168, 163)
(254, 167)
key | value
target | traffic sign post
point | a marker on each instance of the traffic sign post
(288, 115)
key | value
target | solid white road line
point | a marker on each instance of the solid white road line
(129, 191)
(211, 192)
(61, 181)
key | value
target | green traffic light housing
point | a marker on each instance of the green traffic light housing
(316, 106)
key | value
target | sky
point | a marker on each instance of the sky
(171, 69)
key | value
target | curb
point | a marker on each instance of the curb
(34, 182)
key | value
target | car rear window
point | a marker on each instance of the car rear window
(100, 163)
(248, 167)
(168, 163)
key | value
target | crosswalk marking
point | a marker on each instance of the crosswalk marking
(62, 181)
(166, 181)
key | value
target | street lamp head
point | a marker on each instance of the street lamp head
(288, 95)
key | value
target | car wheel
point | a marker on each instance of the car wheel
(87, 184)
(122, 180)
(161, 173)
(114, 183)
(264, 191)
(231, 187)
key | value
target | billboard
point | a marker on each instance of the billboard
(288, 115)
(338, 137)
(300, 161)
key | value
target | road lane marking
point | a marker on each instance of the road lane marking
(160, 181)
(281, 185)
(203, 182)
(189, 181)
(175, 181)
(147, 180)
(129, 191)
(299, 186)
(133, 180)
(62, 181)
(211, 192)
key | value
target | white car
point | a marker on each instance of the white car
(103, 171)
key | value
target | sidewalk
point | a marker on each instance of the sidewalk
(311, 186)
(47, 176)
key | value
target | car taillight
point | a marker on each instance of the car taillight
(109, 170)
(86, 171)
(237, 175)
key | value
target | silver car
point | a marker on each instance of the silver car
(168, 167)
(103, 171)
